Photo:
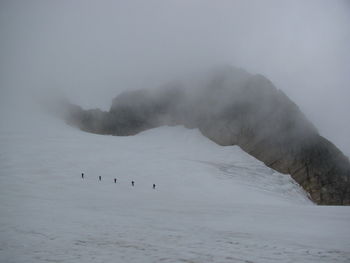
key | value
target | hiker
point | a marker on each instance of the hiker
(115, 180)
(154, 186)
(82, 176)
(132, 183)
(99, 178)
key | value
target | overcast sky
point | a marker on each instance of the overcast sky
(93, 50)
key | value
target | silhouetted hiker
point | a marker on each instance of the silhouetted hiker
(115, 180)
(82, 176)
(99, 178)
(132, 183)
(154, 186)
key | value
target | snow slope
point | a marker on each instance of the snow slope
(211, 203)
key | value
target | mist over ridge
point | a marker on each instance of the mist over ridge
(93, 51)
(232, 107)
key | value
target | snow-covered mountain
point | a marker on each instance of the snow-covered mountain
(231, 107)
(211, 203)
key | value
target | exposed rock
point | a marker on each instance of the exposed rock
(233, 107)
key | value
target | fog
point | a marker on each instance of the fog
(91, 51)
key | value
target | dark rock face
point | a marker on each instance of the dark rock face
(233, 107)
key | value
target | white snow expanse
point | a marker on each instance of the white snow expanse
(211, 203)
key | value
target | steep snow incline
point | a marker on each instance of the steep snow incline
(211, 203)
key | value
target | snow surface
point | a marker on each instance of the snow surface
(211, 203)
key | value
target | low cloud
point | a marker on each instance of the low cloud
(93, 50)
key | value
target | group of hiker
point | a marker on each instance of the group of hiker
(115, 180)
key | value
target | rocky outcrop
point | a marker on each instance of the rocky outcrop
(233, 107)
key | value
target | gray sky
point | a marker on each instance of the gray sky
(93, 50)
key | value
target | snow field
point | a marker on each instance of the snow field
(211, 203)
